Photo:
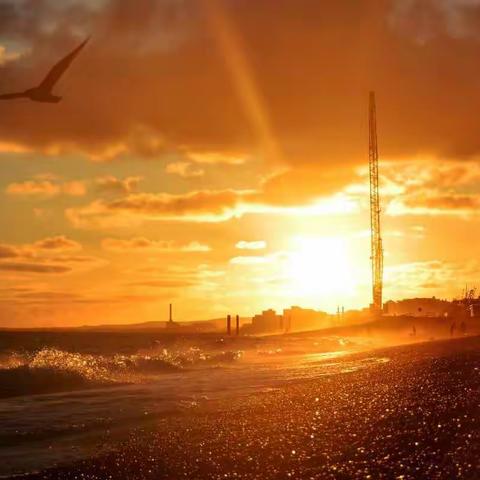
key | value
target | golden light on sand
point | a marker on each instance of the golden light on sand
(320, 267)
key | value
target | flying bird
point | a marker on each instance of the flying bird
(43, 92)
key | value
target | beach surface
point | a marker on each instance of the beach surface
(407, 412)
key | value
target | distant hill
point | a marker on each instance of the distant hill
(212, 325)
(202, 325)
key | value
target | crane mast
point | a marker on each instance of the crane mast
(376, 238)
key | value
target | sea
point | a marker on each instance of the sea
(69, 395)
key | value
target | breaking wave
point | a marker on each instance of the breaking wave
(51, 370)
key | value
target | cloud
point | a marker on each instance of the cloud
(431, 277)
(316, 104)
(216, 203)
(48, 296)
(437, 204)
(447, 202)
(29, 296)
(48, 255)
(305, 185)
(48, 185)
(10, 251)
(58, 243)
(430, 173)
(278, 193)
(13, 148)
(426, 19)
(255, 245)
(216, 158)
(207, 206)
(6, 56)
(249, 260)
(98, 215)
(33, 268)
(162, 284)
(184, 169)
(46, 188)
(140, 244)
(431, 187)
(116, 186)
(41, 213)
(78, 260)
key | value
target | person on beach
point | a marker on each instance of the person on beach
(452, 329)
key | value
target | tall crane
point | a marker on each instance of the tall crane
(376, 238)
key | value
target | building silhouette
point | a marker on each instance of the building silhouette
(293, 319)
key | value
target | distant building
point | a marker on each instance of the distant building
(267, 322)
(294, 319)
(298, 319)
(419, 307)
(468, 308)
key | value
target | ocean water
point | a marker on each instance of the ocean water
(62, 400)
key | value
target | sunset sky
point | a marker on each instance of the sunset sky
(214, 153)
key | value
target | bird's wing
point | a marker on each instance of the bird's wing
(9, 96)
(59, 69)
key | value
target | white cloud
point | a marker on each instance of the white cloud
(255, 245)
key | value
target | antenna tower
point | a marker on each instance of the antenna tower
(376, 238)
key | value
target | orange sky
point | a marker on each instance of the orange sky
(214, 154)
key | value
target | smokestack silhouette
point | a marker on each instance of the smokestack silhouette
(229, 324)
(237, 325)
(170, 318)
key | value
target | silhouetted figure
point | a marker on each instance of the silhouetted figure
(452, 329)
(414, 331)
(43, 93)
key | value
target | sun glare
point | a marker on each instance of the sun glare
(320, 266)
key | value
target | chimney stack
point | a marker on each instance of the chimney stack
(229, 324)
(237, 325)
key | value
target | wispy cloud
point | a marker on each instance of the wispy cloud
(33, 268)
(46, 188)
(184, 169)
(252, 245)
(250, 260)
(117, 186)
(141, 244)
(51, 255)
(58, 243)
(431, 187)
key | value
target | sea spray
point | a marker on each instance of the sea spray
(51, 370)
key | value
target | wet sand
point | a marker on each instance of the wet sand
(416, 416)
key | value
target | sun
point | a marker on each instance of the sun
(320, 267)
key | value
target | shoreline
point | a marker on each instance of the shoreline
(416, 415)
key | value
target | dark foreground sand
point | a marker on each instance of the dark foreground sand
(414, 417)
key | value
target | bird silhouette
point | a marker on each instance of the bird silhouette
(43, 92)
